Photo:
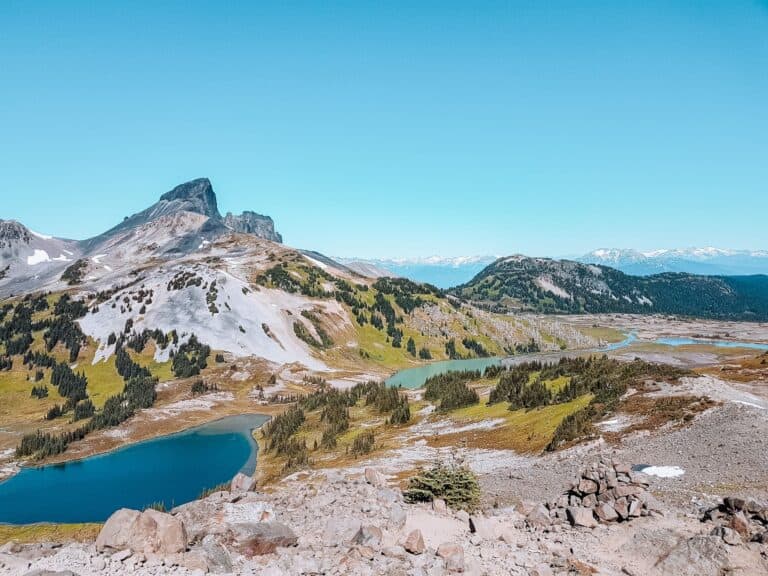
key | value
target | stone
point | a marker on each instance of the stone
(414, 542)
(462, 515)
(98, 563)
(217, 558)
(396, 552)
(694, 557)
(589, 501)
(375, 478)
(740, 524)
(366, 552)
(538, 517)
(606, 513)
(150, 532)
(439, 506)
(733, 504)
(117, 530)
(622, 508)
(264, 538)
(340, 530)
(242, 483)
(397, 515)
(624, 490)
(639, 478)
(368, 536)
(587, 486)
(580, 516)
(122, 555)
(622, 468)
(452, 555)
(635, 508)
(728, 535)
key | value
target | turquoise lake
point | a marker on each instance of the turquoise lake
(172, 469)
(415, 377)
(716, 343)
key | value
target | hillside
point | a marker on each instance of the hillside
(563, 286)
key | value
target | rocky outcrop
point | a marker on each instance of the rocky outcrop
(149, 532)
(607, 491)
(739, 520)
(252, 223)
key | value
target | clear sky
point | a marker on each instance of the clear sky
(396, 129)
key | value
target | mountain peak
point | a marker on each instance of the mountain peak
(194, 196)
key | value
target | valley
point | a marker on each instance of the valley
(179, 319)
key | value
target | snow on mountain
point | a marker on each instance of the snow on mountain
(707, 260)
(441, 271)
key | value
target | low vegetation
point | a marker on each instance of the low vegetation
(455, 484)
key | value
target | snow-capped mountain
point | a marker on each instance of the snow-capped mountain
(708, 260)
(440, 271)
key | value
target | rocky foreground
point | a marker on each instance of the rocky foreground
(606, 521)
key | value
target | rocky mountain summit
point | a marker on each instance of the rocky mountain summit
(184, 220)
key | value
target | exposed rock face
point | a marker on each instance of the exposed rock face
(252, 223)
(11, 232)
(264, 538)
(242, 483)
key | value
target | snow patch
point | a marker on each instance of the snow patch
(38, 257)
(41, 236)
(546, 284)
(663, 471)
(317, 263)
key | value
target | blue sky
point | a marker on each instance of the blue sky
(396, 129)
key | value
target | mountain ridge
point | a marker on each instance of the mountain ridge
(566, 286)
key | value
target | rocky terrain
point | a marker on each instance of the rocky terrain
(297, 528)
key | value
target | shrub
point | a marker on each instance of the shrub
(455, 484)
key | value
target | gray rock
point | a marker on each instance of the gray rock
(375, 478)
(579, 516)
(606, 513)
(538, 517)
(216, 556)
(264, 538)
(695, 556)
(242, 483)
(452, 555)
(414, 542)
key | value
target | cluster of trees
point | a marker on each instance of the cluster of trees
(201, 387)
(278, 431)
(474, 346)
(70, 385)
(6, 362)
(184, 279)
(363, 443)
(64, 329)
(74, 273)
(39, 392)
(190, 358)
(325, 340)
(139, 341)
(451, 390)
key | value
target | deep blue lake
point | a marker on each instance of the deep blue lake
(172, 469)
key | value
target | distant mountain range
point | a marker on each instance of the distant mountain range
(564, 286)
(709, 261)
(443, 272)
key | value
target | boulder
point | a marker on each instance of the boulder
(414, 542)
(580, 516)
(375, 478)
(452, 555)
(368, 536)
(242, 483)
(606, 513)
(587, 486)
(264, 538)
(148, 532)
(539, 517)
(217, 559)
(694, 557)
(740, 524)
(439, 506)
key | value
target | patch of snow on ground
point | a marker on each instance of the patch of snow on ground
(616, 424)
(317, 263)
(96, 259)
(663, 471)
(549, 286)
(38, 257)
(200, 403)
(62, 258)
